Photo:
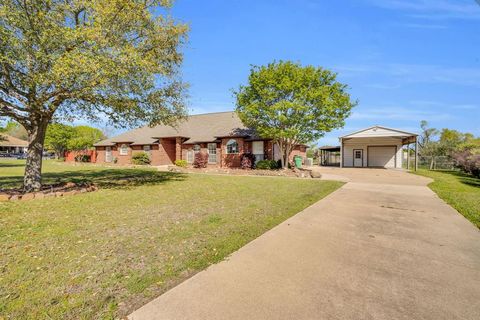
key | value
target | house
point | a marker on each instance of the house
(12, 145)
(221, 135)
(377, 147)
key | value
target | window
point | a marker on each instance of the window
(190, 156)
(358, 154)
(232, 146)
(146, 149)
(196, 148)
(212, 153)
(123, 150)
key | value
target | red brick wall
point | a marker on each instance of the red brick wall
(298, 151)
(167, 151)
(232, 160)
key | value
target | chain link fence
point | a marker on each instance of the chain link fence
(432, 163)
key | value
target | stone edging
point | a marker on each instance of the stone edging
(67, 189)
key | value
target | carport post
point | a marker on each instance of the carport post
(416, 153)
(408, 156)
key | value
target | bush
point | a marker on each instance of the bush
(468, 162)
(267, 165)
(141, 158)
(247, 160)
(201, 160)
(181, 163)
(82, 158)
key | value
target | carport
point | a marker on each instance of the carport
(377, 147)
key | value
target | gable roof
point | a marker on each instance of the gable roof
(206, 127)
(379, 131)
(9, 141)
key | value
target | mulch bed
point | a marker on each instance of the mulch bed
(298, 173)
(48, 190)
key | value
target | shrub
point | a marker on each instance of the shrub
(181, 163)
(82, 158)
(468, 162)
(141, 158)
(267, 165)
(201, 160)
(247, 160)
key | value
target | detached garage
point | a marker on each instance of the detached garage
(375, 147)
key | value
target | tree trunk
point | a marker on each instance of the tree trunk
(32, 180)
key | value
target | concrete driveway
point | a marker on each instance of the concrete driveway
(384, 246)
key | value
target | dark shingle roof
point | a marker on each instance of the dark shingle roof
(196, 128)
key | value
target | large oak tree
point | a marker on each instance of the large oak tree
(292, 104)
(84, 58)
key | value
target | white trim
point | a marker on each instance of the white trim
(381, 127)
(208, 151)
(123, 150)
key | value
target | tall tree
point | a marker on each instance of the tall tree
(292, 104)
(84, 137)
(57, 138)
(77, 58)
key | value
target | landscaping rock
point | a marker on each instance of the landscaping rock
(316, 174)
(39, 195)
(59, 194)
(28, 196)
(4, 197)
(70, 185)
(15, 197)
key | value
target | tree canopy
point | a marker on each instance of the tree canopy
(77, 58)
(293, 104)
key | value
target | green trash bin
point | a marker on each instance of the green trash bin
(298, 161)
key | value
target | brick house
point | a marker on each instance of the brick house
(221, 135)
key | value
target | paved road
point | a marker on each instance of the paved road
(382, 247)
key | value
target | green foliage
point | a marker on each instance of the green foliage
(85, 57)
(14, 129)
(267, 165)
(61, 137)
(58, 137)
(140, 158)
(84, 137)
(181, 163)
(292, 104)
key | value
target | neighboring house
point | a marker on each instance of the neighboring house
(377, 147)
(12, 145)
(221, 135)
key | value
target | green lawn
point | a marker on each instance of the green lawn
(105, 253)
(459, 190)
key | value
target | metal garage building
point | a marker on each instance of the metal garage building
(376, 147)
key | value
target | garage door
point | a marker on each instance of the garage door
(381, 157)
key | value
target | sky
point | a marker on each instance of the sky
(403, 60)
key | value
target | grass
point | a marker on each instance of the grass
(459, 190)
(105, 253)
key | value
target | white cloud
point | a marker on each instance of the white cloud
(433, 9)
(413, 73)
(399, 114)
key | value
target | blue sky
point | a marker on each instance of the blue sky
(404, 61)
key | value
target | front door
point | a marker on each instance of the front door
(108, 154)
(357, 157)
(257, 150)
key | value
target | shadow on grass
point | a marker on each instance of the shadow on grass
(465, 178)
(12, 165)
(106, 179)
